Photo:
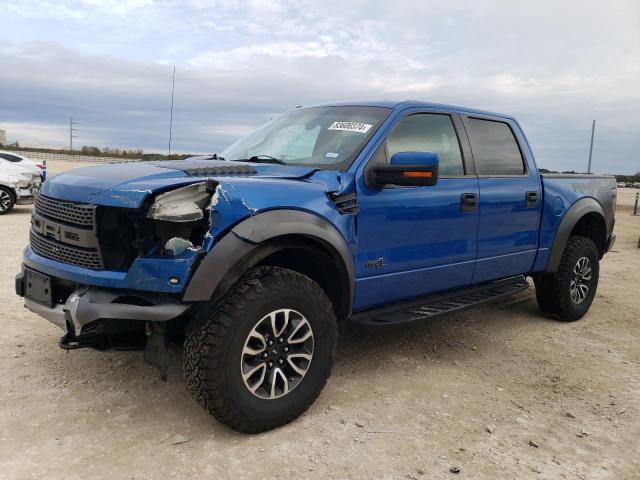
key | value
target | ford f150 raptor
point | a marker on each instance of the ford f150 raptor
(377, 213)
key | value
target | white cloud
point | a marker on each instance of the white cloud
(556, 65)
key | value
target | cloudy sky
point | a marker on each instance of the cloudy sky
(555, 64)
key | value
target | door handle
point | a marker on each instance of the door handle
(531, 199)
(469, 202)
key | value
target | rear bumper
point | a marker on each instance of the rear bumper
(88, 304)
(610, 242)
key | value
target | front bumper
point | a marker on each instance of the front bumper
(26, 193)
(158, 274)
(88, 304)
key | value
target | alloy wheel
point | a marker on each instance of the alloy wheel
(580, 280)
(277, 354)
(5, 200)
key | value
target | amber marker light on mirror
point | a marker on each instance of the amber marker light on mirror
(417, 174)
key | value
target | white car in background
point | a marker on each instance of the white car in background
(13, 157)
(18, 185)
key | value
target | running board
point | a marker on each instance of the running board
(439, 304)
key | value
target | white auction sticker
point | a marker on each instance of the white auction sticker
(351, 126)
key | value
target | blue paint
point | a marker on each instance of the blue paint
(151, 273)
(405, 241)
(426, 241)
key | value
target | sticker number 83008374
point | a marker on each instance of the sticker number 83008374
(350, 127)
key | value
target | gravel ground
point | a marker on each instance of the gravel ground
(496, 392)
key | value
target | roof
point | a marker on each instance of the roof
(404, 104)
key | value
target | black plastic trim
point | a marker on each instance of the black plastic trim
(440, 303)
(233, 249)
(345, 203)
(578, 210)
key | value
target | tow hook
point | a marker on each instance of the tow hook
(155, 350)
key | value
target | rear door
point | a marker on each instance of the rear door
(510, 198)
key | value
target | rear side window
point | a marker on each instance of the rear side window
(429, 132)
(496, 151)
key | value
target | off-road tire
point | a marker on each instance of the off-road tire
(215, 338)
(553, 290)
(4, 193)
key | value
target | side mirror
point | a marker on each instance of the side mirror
(408, 169)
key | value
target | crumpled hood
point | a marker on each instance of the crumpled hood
(128, 184)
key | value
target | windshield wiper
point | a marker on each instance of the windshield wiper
(262, 159)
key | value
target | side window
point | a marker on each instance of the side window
(496, 150)
(11, 158)
(429, 132)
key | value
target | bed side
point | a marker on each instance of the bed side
(574, 204)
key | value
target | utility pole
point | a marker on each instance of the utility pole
(593, 130)
(71, 135)
(173, 84)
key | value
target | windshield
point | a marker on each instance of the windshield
(324, 137)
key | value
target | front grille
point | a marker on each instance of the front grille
(64, 231)
(87, 258)
(74, 213)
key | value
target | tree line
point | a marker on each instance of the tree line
(102, 152)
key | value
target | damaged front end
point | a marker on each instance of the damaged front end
(24, 185)
(171, 225)
(104, 273)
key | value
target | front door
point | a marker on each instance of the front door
(417, 240)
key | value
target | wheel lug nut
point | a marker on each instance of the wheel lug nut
(280, 361)
(286, 349)
(270, 364)
(270, 342)
(281, 339)
(265, 355)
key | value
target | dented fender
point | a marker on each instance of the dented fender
(250, 233)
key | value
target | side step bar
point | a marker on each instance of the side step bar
(439, 304)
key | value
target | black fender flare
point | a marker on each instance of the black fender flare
(579, 209)
(240, 248)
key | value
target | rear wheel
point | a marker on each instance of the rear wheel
(568, 293)
(257, 359)
(7, 200)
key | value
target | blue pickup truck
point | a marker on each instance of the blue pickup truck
(374, 213)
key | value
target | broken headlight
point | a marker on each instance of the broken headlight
(181, 218)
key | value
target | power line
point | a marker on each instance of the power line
(173, 84)
(593, 130)
(71, 130)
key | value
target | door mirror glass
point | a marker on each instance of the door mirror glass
(408, 169)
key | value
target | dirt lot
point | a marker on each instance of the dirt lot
(498, 392)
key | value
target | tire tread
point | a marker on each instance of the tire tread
(206, 344)
(552, 293)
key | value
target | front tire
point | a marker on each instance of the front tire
(259, 358)
(568, 293)
(7, 200)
